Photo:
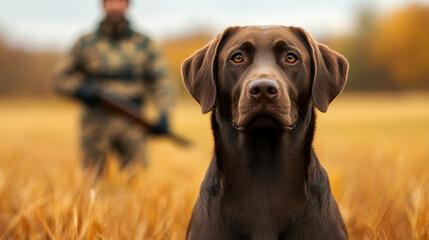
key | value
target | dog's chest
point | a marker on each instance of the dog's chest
(262, 212)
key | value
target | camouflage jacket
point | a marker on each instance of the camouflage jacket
(118, 60)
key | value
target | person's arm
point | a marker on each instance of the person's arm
(70, 80)
(159, 86)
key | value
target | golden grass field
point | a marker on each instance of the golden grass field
(375, 148)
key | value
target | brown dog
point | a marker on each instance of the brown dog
(265, 181)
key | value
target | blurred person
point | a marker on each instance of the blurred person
(119, 60)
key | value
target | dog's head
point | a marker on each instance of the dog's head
(260, 74)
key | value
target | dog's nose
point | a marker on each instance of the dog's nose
(264, 89)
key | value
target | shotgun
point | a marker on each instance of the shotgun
(131, 110)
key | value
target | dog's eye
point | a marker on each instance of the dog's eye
(237, 58)
(291, 58)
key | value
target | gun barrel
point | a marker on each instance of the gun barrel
(132, 111)
(124, 107)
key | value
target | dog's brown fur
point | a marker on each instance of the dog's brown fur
(265, 181)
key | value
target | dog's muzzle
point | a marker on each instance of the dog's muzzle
(264, 105)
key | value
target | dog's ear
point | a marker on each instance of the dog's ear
(199, 72)
(329, 72)
(330, 75)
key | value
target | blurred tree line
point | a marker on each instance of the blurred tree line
(388, 52)
(24, 72)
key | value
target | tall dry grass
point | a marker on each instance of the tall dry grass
(374, 147)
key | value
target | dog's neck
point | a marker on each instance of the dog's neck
(264, 156)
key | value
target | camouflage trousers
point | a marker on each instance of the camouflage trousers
(103, 132)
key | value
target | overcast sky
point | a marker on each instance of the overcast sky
(57, 24)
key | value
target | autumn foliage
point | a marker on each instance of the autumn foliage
(400, 45)
(387, 52)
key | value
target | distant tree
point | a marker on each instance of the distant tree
(24, 72)
(363, 75)
(178, 49)
(399, 44)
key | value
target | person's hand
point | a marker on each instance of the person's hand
(161, 127)
(87, 93)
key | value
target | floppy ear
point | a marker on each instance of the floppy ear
(330, 75)
(329, 72)
(199, 72)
